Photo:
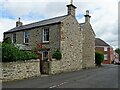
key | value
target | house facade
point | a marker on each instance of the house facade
(106, 49)
(75, 40)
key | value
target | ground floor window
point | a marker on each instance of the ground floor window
(14, 38)
(45, 55)
(105, 57)
(26, 37)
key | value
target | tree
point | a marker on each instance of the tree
(118, 51)
(11, 53)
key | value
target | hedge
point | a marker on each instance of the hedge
(99, 57)
(11, 53)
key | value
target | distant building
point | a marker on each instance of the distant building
(115, 57)
(106, 49)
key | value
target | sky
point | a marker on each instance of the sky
(104, 15)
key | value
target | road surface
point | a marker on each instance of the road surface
(103, 77)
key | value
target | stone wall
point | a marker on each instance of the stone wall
(20, 70)
(71, 45)
(7, 35)
(88, 46)
(55, 67)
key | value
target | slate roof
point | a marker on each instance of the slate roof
(37, 24)
(82, 24)
(100, 42)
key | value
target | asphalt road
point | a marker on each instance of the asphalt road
(103, 77)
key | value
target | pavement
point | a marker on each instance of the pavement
(102, 77)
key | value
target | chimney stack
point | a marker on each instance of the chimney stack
(18, 23)
(87, 16)
(71, 9)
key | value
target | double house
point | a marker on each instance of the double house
(76, 41)
(106, 49)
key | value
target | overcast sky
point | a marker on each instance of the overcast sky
(104, 14)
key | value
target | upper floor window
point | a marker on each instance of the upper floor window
(46, 35)
(105, 48)
(26, 37)
(14, 38)
(105, 57)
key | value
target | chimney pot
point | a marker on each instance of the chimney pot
(19, 23)
(87, 16)
(87, 12)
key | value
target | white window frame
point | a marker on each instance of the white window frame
(44, 34)
(105, 48)
(25, 37)
(43, 52)
(105, 57)
(13, 38)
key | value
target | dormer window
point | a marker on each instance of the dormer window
(45, 35)
(26, 37)
(14, 38)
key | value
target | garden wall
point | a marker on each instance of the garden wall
(55, 67)
(60, 66)
(20, 70)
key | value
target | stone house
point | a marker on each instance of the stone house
(106, 49)
(75, 40)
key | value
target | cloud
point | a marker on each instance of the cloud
(104, 14)
(5, 25)
(104, 19)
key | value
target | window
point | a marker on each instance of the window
(14, 38)
(26, 37)
(105, 57)
(105, 48)
(46, 35)
(45, 55)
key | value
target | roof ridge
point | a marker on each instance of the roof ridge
(102, 41)
(45, 20)
(38, 23)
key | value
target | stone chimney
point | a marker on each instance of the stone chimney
(18, 23)
(71, 9)
(87, 16)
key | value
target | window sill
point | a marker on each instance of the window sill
(45, 42)
(105, 60)
(26, 43)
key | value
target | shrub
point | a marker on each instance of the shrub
(99, 57)
(57, 55)
(11, 53)
(8, 52)
(7, 40)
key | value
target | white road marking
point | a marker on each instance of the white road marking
(57, 85)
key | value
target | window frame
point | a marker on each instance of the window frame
(14, 38)
(105, 57)
(26, 37)
(44, 36)
(43, 54)
(105, 48)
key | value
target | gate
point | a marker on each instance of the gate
(44, 65)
